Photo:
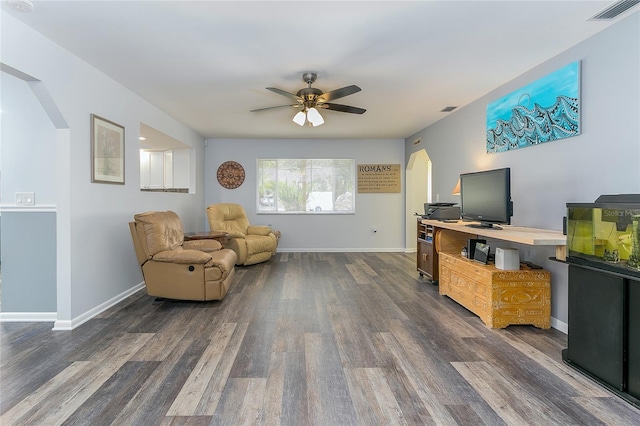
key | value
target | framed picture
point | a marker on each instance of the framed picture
(107, 151)
(543, 111)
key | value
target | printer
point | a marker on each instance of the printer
(441, 211)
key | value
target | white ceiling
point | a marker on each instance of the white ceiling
(207, 63)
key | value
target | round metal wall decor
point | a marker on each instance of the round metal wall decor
(230, 174)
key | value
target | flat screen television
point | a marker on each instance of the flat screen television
(485, 197)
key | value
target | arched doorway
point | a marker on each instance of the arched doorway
(418, 175)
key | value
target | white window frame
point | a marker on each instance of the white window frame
(278, 194)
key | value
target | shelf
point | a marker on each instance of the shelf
(514, 234)
(425, 259)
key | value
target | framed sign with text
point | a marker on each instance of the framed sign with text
(379, 178)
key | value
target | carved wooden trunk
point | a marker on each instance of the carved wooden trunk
(500, 298)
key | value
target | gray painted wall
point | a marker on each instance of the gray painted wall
(29, 262)
(324, 232)
(604, 159)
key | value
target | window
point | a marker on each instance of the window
(305, 186)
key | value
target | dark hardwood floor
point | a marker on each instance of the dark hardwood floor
(304, 339)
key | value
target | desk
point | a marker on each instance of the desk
(498, 297)
(515, 234)
(221, 237)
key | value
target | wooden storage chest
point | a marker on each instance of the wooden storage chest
(500, 298)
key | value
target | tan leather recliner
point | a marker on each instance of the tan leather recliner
(252, 244)
(178, 269)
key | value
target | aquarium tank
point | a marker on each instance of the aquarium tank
(605, 234)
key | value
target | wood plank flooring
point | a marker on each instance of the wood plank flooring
(304, 339)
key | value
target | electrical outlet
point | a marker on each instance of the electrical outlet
(25, 199)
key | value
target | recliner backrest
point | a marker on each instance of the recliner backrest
(228, 217)
(137, 245)
(159, 231)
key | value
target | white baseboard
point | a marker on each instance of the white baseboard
(28, 316)
(61, 325)
(341, 250)
(559, 325)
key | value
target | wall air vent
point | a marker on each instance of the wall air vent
(615, 10)
(451, 108)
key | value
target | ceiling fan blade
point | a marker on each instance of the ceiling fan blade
(339, 93)
(343, 108)
(283, 93)
(279, 106)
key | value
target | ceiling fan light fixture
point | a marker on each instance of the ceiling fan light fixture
(23, 6)
(314, 117)
(299, 118)
(310, 99)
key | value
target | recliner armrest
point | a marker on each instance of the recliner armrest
(182, 256)
(235, 234)
(224, 260)
(259, 230)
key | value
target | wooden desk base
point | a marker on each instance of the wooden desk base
(500, 298)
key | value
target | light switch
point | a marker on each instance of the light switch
(25, 199)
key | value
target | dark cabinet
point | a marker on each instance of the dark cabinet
(634, 339)
(604, 329)
(595, 340)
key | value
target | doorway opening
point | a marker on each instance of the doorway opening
(419, 191)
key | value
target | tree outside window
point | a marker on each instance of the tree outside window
(306, 185)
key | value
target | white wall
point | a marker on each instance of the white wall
(26, 150)
(315, 232)
(604, 159)
(99, 255)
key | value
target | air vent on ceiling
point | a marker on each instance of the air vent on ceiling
(451, 108)
(615, 10)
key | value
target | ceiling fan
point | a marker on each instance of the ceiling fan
(311, 99)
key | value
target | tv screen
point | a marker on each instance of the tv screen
(485, 197)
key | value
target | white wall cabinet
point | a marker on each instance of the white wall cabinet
(156, 170)
(164, 169)
(167, 180)
(181, 169)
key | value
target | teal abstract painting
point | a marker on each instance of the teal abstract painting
(546, 110)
